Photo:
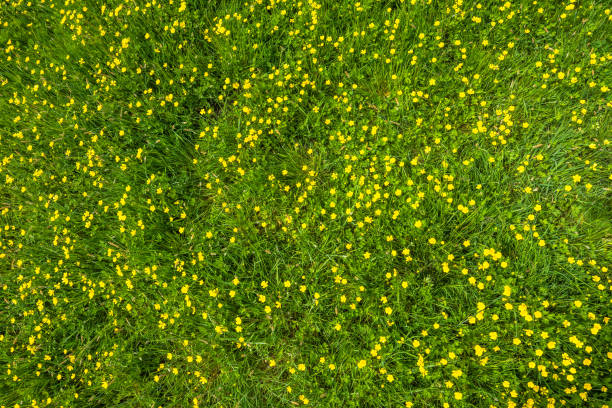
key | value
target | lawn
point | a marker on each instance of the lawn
(277, 203)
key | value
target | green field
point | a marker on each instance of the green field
(278, 203)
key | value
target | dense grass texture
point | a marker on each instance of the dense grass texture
(277, 203)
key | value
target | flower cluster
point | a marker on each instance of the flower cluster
(285, 203)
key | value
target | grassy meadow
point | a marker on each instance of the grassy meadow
(282, 203)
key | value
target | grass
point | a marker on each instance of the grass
(276, 203)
